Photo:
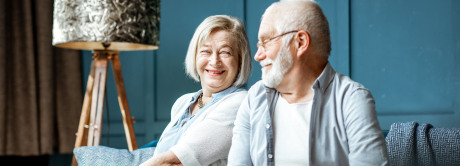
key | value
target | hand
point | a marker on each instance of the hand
(164, 159)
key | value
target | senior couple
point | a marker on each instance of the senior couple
(302, 112)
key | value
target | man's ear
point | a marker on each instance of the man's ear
(302, 40)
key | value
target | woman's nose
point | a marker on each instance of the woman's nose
(214, 60)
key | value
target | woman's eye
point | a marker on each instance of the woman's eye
(205, 52)
(225, 53)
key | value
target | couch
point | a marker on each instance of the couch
(408, 144)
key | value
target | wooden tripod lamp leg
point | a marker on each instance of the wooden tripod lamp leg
(90, 125)
(82, 132)
(123, 101)
(91, 114)
(97, 106)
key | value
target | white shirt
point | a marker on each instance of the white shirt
(291, 129)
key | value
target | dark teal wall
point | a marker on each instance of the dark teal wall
(406, 52)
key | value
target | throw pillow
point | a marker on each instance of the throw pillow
(103, 155)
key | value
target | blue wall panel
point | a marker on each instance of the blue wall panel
(405, 52)
(337, 13)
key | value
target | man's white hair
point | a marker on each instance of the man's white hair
(302, 14)
(215, 23)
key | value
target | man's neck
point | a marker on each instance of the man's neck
(297, 83)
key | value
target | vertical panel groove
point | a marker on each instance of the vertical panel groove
(155, 114)
(245, 13)
(456, 25)
(350, 51)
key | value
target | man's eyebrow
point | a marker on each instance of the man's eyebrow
(262, 38)
(265, 35)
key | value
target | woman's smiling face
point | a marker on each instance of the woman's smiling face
(217, 62)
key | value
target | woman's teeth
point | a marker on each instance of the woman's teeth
(215, 72)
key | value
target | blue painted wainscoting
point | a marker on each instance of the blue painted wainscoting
(155, 79)
(406, 52)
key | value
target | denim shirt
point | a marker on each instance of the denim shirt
(173, 135)
(344, 129)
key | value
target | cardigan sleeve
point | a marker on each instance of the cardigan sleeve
(210, 139)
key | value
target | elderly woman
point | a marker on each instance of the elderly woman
(200, 131)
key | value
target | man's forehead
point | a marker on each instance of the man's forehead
(267, 28)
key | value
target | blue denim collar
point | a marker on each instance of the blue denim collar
(216, 96)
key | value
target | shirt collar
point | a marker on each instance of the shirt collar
(326, 77)
(218, 95)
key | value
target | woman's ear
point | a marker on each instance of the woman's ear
(302, 42)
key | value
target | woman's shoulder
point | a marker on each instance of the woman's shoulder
(181, 103)
(184, 99)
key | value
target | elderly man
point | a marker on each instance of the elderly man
(303, 112)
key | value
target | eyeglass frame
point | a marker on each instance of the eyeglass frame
(262, 44)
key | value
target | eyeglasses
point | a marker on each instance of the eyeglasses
(261, 44)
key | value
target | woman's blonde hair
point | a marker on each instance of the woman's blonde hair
(216, 23)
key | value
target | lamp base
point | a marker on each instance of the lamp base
(89, 128)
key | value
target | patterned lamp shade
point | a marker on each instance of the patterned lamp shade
(120, 24)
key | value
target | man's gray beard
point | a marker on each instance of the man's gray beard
(280, 66)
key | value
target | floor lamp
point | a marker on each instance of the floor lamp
(105, 27)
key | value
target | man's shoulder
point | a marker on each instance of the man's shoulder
(257, 94)
(235, 96)
(346, 88)
(331, 81)
(346, 83)
(257, 88)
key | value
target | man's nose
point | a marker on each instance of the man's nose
(260, 54)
